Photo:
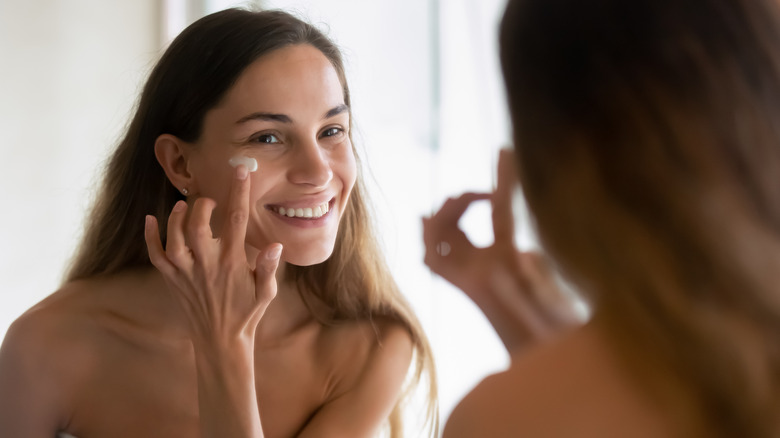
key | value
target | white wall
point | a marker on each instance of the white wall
(427, 101)
(69, 73)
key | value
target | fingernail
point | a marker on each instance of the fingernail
(241, 171)
(179, 206)
(274, 253)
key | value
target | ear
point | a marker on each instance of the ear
(172, 153)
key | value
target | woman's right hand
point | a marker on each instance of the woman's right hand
(222, 297)
(516, 290)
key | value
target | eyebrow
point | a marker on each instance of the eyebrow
(336, 111)
(283, 118)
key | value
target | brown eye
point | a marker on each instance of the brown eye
(267, 139)
(330, 132)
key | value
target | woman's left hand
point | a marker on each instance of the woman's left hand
(516, 290)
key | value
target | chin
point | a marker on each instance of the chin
(306, 257)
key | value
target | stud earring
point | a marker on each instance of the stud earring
(185, 192)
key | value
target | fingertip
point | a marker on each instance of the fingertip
(152, 238)
(274, 251)
(150, 225)
(242, 172)
(269, 258)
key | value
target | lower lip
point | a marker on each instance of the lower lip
(306, 222)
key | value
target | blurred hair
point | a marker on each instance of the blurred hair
(648, 145)
(194, 73)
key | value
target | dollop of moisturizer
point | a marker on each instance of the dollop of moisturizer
(250, 163)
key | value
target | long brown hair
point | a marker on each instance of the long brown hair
(193, 74)
(649, 153)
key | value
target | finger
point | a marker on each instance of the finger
(429, 236)
(444, 241)
(175, 246)
(430, 241)
(503, 218)
(435, 233)
(453, 208)
(443, 225)
(234, 227)
(432, 236)
(200, 238)
(154, 247)
(265, 273)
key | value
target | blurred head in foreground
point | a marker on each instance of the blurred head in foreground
(648, 145)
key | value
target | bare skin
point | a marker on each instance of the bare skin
(111, 357)
(210, 342)
(564, 379)
(516, 290)
(571, 387)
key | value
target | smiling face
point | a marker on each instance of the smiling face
(287, 111)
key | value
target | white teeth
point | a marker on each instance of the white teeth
(306, 212)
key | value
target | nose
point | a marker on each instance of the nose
(310, 165)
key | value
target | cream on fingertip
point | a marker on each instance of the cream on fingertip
(248, 162)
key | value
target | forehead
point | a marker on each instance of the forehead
(286, 78)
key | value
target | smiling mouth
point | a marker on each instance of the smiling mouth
(313, 212)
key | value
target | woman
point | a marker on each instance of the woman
(648, 151)
(269, 310)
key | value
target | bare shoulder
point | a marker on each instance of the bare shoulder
(47, 333)
(41, 361)
(393, 349)
(369, 360)
(382, 366)
(45, 324)
(381, 345)
(64, 332)
(509, 403)
(569, 388)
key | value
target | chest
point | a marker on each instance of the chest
(153, 392)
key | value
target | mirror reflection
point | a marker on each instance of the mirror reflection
(425, 107)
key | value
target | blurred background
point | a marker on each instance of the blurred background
(429, 114)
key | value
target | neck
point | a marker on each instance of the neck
(286, 313)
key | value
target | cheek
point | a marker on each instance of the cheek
(212, 173)
(259, 187)
(215, 186)
(263, 183)
(347, 169)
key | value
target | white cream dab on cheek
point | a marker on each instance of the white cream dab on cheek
(250, 163)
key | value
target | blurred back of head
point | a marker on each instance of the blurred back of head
(648, 140)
